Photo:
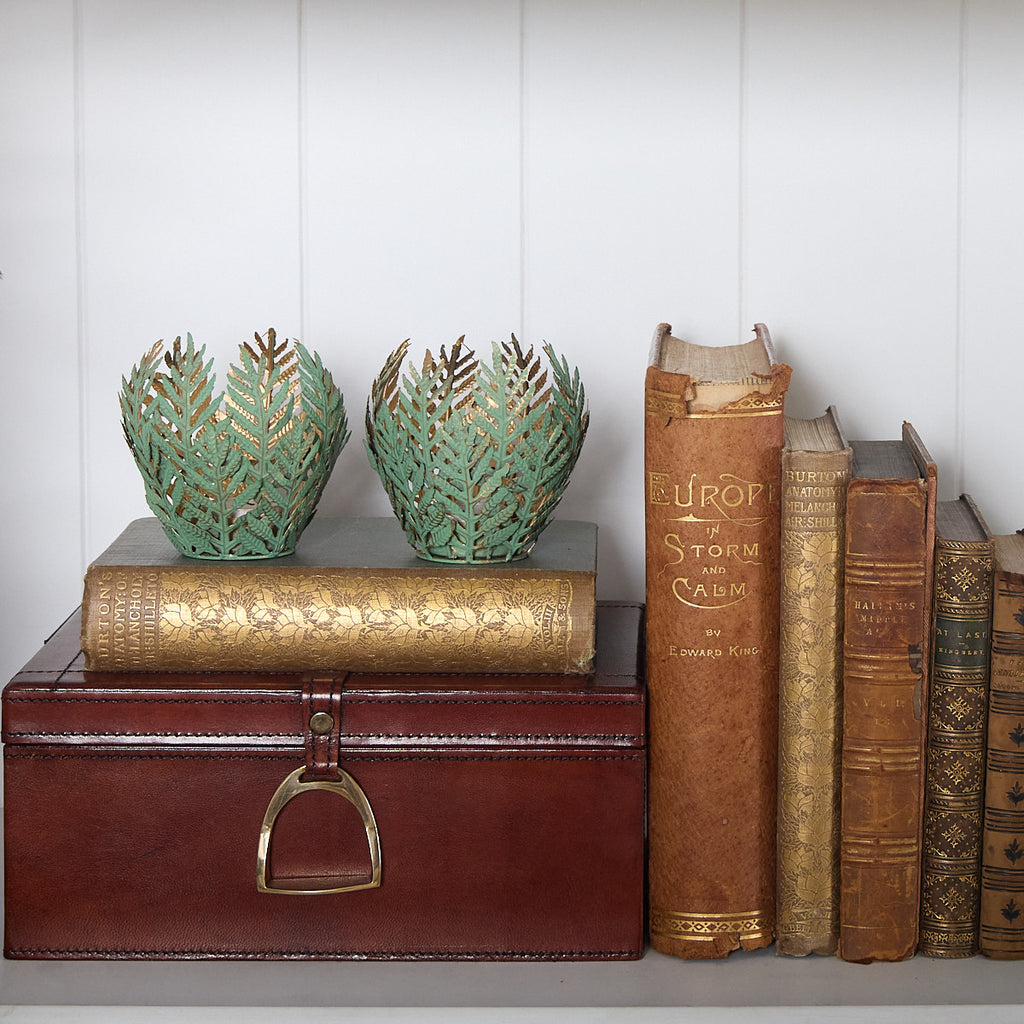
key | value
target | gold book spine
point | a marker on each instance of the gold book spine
(810, 700)
(955, 769)
(1002, 874)
(220, 618)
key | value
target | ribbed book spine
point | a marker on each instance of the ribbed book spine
(810, 700)
(889, 562)
(955, 773)
(1002, 878)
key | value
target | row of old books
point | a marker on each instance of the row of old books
(820, 638)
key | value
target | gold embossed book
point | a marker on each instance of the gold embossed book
(713, 443)
(815, 474)
(954, 795)
(353, 595)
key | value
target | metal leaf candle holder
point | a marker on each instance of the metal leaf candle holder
(238, 475)
(475, 457)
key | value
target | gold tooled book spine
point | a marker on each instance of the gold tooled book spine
(810, 700)
(219, 617)
(712, 558)
(1002, 856)
(955, 770)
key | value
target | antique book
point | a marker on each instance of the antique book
(957, 710)
(815, 474)
(353, 595)
(890, 540)
(713, 443)
(1002, 854)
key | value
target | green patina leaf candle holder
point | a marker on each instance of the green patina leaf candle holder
(475, 457)
(238, 475)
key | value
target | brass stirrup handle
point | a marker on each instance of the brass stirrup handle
(292, 787)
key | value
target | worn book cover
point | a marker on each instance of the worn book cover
(815, 474)
(713, 442)
(353, 595)
(890, 540)
(957, 708)
(1002, 857)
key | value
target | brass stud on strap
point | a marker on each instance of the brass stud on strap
(321, 723)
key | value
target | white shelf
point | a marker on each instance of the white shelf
(758, 979)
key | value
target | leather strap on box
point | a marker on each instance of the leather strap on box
(321, 705)
(322, 708)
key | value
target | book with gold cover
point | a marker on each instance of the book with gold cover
(890, 541)
(1002, 854)
(957, 709)
(815, 474)
(713, 443)
(352, 596)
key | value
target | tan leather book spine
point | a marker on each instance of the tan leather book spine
(890, 537)
(1002, 855)
(810, 699)
(712, 539)
(957, 708)
(354, 596)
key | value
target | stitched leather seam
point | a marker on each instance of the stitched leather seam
(268, 673)
(59, 699)
(389, 699)
(356, 954)
(292, 736)
(297, 738)
(353, 755)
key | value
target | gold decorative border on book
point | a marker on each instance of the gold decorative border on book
(876, 850)
(952, 945)
(667, 403)
(748, 924)
(737, 414)
(664, 403)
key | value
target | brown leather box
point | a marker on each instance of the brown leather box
(509, 812)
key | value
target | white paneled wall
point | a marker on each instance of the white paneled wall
(358, 173)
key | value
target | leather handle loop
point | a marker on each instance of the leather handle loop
(322, 708)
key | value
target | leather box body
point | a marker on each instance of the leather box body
(509, 811)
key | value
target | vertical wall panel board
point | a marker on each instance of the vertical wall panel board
(850, 208)
(631, 197)
(40, 494)
(412, 188)
(993, 266)
(190, 193)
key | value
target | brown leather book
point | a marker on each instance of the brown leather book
(713, 442)
(890, 540)
(354, 595)
(1002, 854)
(957, 709)
(815, 474)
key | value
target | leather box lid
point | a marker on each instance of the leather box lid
(53, 701)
